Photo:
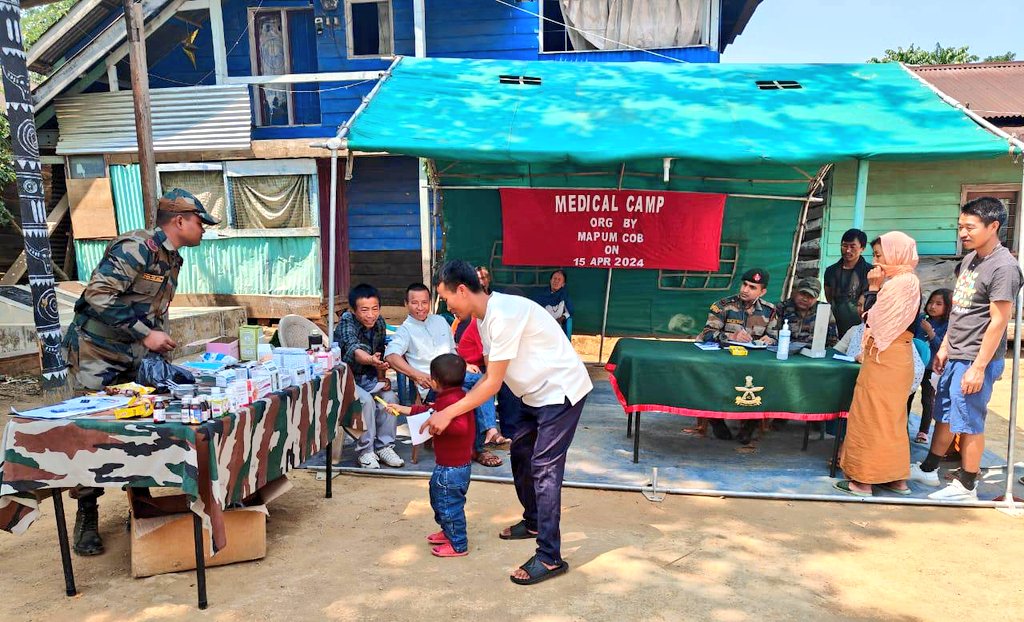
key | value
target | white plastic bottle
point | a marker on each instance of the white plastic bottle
(783, 352)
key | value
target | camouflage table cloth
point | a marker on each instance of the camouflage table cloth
(216, 464)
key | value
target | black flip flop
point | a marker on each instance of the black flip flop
(539, 572)
(519, 531)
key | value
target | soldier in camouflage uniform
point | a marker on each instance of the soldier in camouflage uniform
(745, 318)
(122, 316)
(802, 310)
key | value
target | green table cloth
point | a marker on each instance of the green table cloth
(677, 377)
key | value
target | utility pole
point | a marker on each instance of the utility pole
(29, 173)
(136, 27)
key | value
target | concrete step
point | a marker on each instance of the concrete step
(189, 325)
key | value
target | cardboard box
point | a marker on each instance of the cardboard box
(227, 346)
(261, 385)
(300, 376)
(241, 393)
(249, 342)
(162, 532)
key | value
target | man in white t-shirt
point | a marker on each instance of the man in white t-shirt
(526, 349)
(421, 338)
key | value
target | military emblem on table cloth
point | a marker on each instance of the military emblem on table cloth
(750, 395)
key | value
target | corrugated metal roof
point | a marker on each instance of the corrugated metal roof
(184, 119)
(68, 31)
(993, 90)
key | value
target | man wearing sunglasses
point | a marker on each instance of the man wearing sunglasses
(122, 316)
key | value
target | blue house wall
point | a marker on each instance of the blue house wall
(382, 196)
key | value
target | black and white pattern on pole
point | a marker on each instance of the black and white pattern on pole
(29, 172)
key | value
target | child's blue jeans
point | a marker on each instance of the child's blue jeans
(448, 488)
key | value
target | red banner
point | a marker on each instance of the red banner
(611, 228)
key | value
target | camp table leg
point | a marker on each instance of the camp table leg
(197, 535)
(807, 434)
(835, 448)
(636, 437)
(330, 466)
(629, 425)
(62, 538)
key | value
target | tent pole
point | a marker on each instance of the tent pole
(861, 196)
(332, 245)
(1015, 374)
(729, 194)
(604, 321)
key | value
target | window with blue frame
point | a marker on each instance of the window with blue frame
(282, 41)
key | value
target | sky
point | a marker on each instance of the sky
(845, 31)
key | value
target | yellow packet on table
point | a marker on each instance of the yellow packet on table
(129, 387)
(737, 351)
(138, 407)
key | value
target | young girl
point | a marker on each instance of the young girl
(932, 329)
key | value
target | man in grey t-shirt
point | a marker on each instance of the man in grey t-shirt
(971, 356)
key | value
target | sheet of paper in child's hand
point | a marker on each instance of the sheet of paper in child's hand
(415, 423)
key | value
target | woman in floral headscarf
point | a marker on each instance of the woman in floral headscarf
(877, 449)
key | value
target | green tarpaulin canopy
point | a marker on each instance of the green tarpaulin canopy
(599, 113)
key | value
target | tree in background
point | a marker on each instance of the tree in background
(914, 55)
(34, 22)
(1001, 58)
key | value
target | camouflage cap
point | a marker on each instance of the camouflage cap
(809, 285)
(184, 202)
(757, 276)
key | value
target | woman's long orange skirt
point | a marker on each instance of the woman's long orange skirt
(877, 448)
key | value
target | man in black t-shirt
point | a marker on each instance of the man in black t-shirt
(970, 358)
(847, 279)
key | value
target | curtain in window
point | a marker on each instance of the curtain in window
(384, 27)
(207, 186)
(271, 202)
(645, 24)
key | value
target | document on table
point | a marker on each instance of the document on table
(707, 345)
(77, 407)
(415, 423)
(843, 357)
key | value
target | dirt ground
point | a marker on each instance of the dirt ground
(361, 556)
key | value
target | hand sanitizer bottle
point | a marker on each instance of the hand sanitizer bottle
(783, 352)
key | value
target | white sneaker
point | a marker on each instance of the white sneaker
(368, 460)
(390, 458)
(928, 478)
(955, 491)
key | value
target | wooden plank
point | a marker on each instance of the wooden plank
(98, 48)
(20, 265)
(136, 27)
(62, 28)
(16, 271)
(92, 208)
(255, 306)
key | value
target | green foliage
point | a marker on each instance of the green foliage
(34, 22)
(6, 167)
(37, 20)
(1001, 58)
(914, 55)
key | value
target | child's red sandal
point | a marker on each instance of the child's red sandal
(446, 550)
(437, 538)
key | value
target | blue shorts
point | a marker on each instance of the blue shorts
(965, 414)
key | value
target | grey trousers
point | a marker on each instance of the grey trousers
(380, 425)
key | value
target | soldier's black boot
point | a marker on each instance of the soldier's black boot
(87, 535)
